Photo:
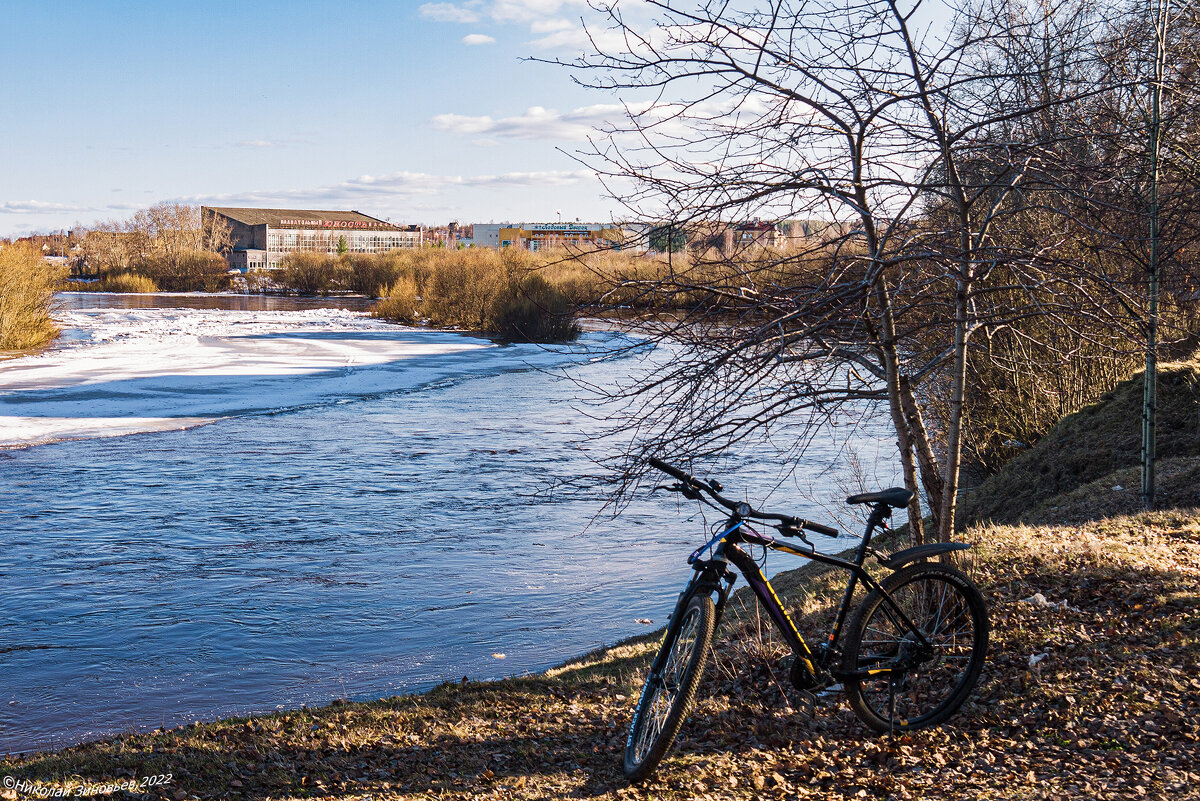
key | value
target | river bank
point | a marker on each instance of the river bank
(1090, 695)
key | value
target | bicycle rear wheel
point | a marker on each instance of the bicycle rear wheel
(667, 696)
(915, 689)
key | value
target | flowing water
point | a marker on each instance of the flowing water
(360, 548)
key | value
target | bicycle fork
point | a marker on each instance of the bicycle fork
(706, 580)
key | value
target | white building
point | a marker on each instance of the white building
(261, 238)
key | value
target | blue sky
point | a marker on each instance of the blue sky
(417, 111)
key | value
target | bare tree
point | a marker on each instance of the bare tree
(175, 230)
(860, 114)
(167, 241)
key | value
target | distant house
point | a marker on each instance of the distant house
(261, 238)
(51, 244)
(755, 232)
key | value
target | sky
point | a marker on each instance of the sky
(419, 112)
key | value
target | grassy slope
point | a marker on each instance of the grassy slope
(1112, 712)
(1093, 442)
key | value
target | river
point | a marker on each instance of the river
(386, 526)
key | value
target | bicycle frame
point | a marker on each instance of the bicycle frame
(885, 649)
(711, 572)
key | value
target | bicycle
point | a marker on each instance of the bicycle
(913, 648)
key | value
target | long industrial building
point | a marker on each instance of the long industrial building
(261, 238)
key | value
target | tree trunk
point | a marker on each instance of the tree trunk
(954, 424)
(904, 438)
(931, 473)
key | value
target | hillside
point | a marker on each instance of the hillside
(1110, 711)
(1090, 444)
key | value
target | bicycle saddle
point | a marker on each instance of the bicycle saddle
(896, 497)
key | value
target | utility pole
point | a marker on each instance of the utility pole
(1150, 385)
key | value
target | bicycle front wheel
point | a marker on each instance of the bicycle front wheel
(913, 686)
(668, 694)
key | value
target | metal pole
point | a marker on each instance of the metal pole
(1150, 386)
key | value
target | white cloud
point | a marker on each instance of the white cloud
(381, 189)
(536, 123)
(551, 25)
(447, 12)
(478, 39)
(38, 207)
(529, 10)
(530, 179)
(544, 18)
(576, 39)
(261, 143)
(459, 123)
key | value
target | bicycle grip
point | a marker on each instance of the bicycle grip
(669, 470)
(820, 529)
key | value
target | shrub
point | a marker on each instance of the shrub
(314, 273)
(125, 282)
(399, 302)
(27, 286)
(189, 271)
(462, 286)
(372, 275)
(533, 311)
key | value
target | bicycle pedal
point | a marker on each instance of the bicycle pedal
(830, 691)
(803, 702)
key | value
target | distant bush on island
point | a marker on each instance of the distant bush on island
(187, 271)
(504, 293)
(124, 282)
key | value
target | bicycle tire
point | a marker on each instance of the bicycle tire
(666, 700)
(951, 613)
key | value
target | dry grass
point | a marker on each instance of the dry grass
(398, 301)
(125, 282)
(27, 286)
(1177, 485)
(505, 293)
(1110, 713)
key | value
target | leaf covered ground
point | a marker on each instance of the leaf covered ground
(1110, 710)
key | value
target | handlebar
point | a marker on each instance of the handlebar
(696, 485)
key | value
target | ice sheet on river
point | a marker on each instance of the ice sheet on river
(125, 371)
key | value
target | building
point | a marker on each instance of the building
(730, 238)
(755, 233)
(261, 238)
(448, 236)
(543, 236)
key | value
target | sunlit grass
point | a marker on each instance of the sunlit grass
(27, 286)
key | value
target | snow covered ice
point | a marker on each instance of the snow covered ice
(122, 371)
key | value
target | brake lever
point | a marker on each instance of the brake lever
(792, 530)
(687, 492)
